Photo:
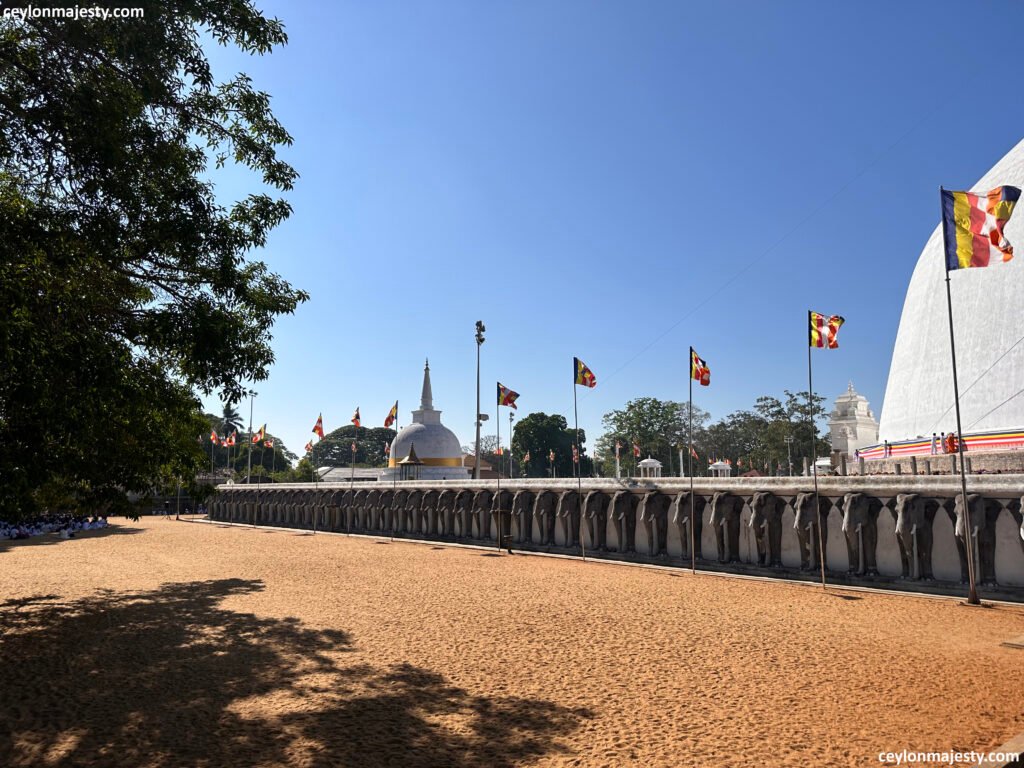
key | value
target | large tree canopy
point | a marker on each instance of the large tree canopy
(126, 284)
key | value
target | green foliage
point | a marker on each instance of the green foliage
(538, 434)
(660, 427)
(335, 450)
(124, 280)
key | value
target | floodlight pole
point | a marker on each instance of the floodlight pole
(479, 342)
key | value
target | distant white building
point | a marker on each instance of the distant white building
(852, 424)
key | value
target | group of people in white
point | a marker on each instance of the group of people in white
(65, 525)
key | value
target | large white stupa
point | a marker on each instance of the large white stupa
(988, 316)
(433, 446)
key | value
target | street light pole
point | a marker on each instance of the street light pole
(479, 342)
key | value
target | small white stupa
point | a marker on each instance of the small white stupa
(436, 447)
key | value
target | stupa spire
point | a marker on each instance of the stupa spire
(427, 398)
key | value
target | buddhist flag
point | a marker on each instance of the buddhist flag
(355, 418)
(353, 446)
(636, 450)
(582, 375)
(972, 226)
(824, 330)
(500, 451)
(318, 428)
(699, 370)
(506, 396)
(268, 443)
(575, 455)
(526, 458)
(387, 449)
(618, 447)
(392, 415)
(309, 446)
(260, 435)
(231, 440)
(693, 452)
(551, 455)
(213, 436)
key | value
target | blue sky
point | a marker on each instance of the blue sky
(615, 181)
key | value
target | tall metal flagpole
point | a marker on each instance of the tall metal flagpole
(497, 498)
(972, 591)
(579, 480)
(248, 474)
(814, 454)
(689, 430)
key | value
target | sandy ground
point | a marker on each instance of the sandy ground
(170, 644)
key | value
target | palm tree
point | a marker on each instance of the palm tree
(232, 419)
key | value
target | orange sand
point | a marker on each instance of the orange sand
(174, 644)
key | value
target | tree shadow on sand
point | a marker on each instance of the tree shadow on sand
(170, 677)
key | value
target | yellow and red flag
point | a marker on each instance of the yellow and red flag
(309, 446)
(699, 370)
(392, 415)
(268, 443)
(260, 435)
(356, 420)
(231, 440)
(636, 450)
(213, 436)
(575, 455)
(506, 396)
(693, 452)
(582, 375)
(551, 455)
(972, 226)
(318, 428)
(526, 458)
(824, 330)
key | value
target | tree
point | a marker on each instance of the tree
(125, 281)
(335, 450)
(231, 421)
(538, 434)
(660, 427)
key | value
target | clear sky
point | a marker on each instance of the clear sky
(615, 181)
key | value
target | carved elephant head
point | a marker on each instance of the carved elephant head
(764, 507)
(859, 509)
(976, 507)
(723, 505)
(596, 503)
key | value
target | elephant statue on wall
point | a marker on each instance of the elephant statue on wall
(725, 517)
(809, 525)
(426, 522)
(372, 506)
(359, 509)
(463, 508)
(766, 521)
(595, 509)
(860, 524)
(984, 513)
(399, 503)
(446, 512)
(413, 499)
(915, 516)
(684, 508)
(618, 510)
(544, 508)
(569, 512)
(385, 502)
(522, 513)
(501, 511)
(1018, 517)
(482, 511)
(653, 513)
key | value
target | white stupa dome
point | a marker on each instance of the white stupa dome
(437, 448)
(988, 322)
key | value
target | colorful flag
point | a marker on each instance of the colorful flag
(318, 428)
(268, 443)
(355, 418)
(387, 449)
(824, 330)
(213, 436)
(526, 458)
(353, 446)
(636, 450)
(972, 226)
(260, 435)
(551, 455)
(575, 455)
(309, 446)
(618, 447)
(500, 451)
(693, 452)
(392, 415)
(699, 370)
(233, 438)
(582, 375)
(506, 396)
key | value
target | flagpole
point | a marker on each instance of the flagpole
(394, 482)
(972, 591)
(248, 474)
(814, 454)
(497, 499)
(689, 430)
(579, 480)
